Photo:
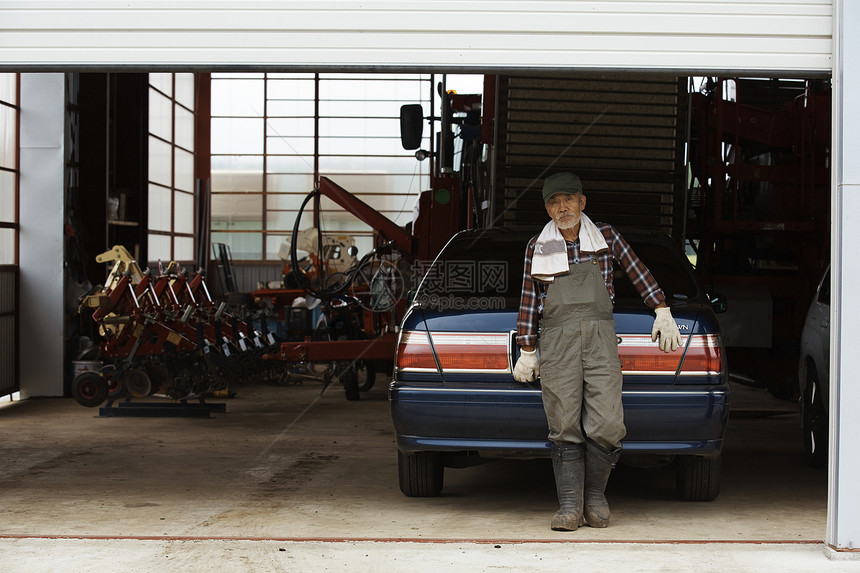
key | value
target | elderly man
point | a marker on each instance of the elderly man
(568, 291)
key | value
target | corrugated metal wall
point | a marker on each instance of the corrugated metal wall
(788, 37)
(622, 134)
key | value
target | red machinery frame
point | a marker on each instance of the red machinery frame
(383, 346)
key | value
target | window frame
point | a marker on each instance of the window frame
(172, 234)
(281, 203)
(15, 170)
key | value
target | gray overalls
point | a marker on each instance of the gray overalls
(580, 370)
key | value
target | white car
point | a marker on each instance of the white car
(814, 375)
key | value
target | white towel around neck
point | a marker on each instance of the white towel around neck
(550, 256)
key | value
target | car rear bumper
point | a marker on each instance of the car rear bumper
(510, 422)
(541, 449)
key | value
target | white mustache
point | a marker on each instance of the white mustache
(571, 220)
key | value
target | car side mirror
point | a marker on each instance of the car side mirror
(718, 303)
(411, 125)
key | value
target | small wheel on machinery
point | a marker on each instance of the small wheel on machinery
(89, 389)
(159, 376)
(366, 372)
(349, 379)
(136, 382)
(116, 389)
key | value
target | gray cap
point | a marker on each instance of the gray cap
(561, 183)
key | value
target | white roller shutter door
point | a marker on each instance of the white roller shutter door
(783, 37)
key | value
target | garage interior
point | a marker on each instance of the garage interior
(657, 152)
(736, 169)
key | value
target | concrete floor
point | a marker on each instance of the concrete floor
(290, 479)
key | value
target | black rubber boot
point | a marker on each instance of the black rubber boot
(598, 465)
(568, 465)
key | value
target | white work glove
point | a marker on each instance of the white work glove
(665, 327)
(527, 368)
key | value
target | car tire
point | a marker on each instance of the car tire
(698, 478)
(813, 421)
(421, 474)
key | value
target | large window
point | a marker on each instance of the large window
(9, 113)
(8, 169)
(273, 135)
(171, 167)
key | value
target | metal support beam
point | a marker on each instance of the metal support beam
(843, 508)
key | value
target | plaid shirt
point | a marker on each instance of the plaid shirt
(534, 291)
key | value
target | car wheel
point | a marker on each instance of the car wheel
(421, 474)
(814, 421)
(698, 478)
(89, 389)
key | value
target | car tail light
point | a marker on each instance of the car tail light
(472, 352)
(641, 356)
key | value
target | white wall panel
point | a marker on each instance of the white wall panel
(792, 36)
(41, 235)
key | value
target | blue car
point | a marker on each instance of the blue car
(454, 401)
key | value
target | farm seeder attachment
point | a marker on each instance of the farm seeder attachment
(163, 333)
